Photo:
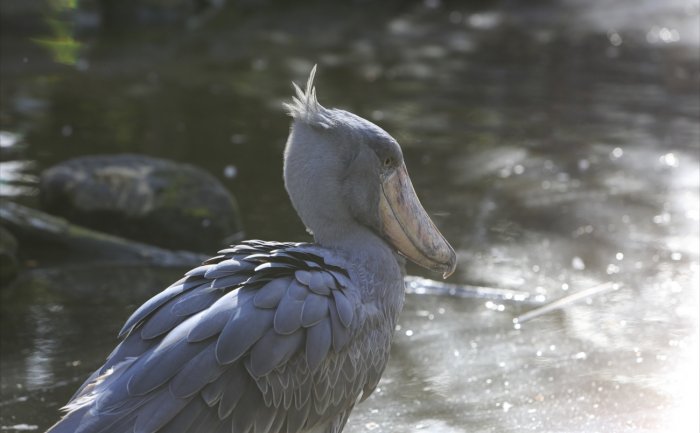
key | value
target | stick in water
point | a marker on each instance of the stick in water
(563, 302)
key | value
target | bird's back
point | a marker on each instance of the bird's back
(266, 337)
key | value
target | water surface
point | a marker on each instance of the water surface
(555, 144)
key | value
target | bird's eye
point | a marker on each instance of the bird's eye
(388, 162)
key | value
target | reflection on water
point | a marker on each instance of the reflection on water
(64, 48)
(16, 178)
(555, 144)
(38, 362)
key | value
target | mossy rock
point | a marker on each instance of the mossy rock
(147, 199)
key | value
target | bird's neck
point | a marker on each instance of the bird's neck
(355, 240)
(376, 267)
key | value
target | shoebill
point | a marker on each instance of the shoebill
(271, 337)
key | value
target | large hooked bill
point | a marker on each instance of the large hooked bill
(408, 227)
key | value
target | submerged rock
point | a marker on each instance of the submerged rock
(152, 200)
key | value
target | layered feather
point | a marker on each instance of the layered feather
(265, 337)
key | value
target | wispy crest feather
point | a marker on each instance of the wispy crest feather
(305, 106)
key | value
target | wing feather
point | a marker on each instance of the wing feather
(243, 418)
(197, 373)
(242, 331)
(319, 284)
(298, 291)
(194, 303)
(155, 302)
(315, 309)
(272, 350)
(254, 340)
(270, 295)
(158, 412)
(344, 307)
(184, 421)
(288, 315)
(318, 343)
(236, 385)
(162, 362)
(223, 268)
(297, 418)
(340, 333)
(215, 318)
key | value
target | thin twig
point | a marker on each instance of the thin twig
(424, 286)
(565, 301)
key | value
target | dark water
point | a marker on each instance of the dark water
(556, 144)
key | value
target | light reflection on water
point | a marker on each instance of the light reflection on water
(40, 374)
(556, 146)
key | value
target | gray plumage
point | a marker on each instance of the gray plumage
(250, 350)
(271, 337)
